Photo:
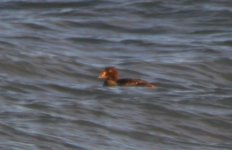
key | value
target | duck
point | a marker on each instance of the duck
(111, 78)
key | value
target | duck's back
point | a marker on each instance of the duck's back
(133, 82)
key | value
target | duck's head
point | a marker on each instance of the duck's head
(110, 73)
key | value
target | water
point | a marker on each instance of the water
(52, 52)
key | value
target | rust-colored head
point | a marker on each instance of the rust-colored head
(110, 73)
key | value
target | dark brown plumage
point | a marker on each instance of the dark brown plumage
(111, 78)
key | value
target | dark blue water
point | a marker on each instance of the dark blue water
(52, 51)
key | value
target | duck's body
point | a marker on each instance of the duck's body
(111, 78)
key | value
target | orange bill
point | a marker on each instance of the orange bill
(103, 75)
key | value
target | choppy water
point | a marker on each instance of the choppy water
(52, 52)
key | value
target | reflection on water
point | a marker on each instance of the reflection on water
(52, 52)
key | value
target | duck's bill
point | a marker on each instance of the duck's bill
(102, 75)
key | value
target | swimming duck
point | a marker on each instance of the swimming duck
(111, 78)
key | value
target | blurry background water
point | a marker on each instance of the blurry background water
(51, 52)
